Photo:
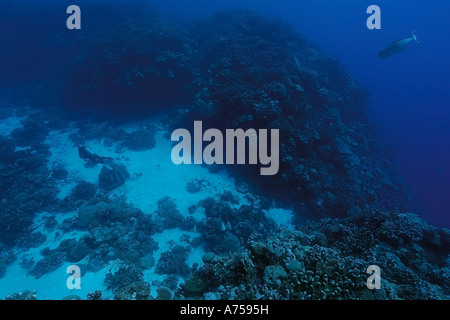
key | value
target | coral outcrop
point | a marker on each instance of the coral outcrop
(328, 259)
(112, 176)
(143, 62)
(245, 70)
(257, 72)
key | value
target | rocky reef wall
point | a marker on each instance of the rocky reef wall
(239, 69)
(258, 72)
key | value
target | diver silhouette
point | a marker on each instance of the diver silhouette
(87, 154)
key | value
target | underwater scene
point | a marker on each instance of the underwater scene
(224, 150)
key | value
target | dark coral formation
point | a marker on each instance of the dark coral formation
(26, 295)
(26, 184)
(249, 71)
(141, 139)
(225, 229)
(138, 290)
(31, 134)
(43, 58)
(328, 259)
(173, 262)
(112, 176)
(115, 230)
(59, 172)
(96, 295)
(124, 277)
(6, 257)
(168, 215)
(258, 72)
(164, 293)
(68, 250)
(83, 190)
(146, 64)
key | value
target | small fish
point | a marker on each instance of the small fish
(396, 47)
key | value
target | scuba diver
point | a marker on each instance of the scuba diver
(87, 154)
(112, 175)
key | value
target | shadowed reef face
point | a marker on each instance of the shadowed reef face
(138, 68)
(258, 72)
(239, 69)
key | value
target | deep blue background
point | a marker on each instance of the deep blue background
(410, 97)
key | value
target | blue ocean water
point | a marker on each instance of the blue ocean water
(87, 179)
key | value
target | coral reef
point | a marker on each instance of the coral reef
(31, 240)
(164, 293)
(226, 228)
(293, 265)
(115, 231)
(26, 184)
(59, 172)
(69, 250)
(26, 295)
(208, 257)
(257, 72)
(126, 281)
(141, 139)
(138, 290)
(196, 185)
(83, 190)
(173, 261)
(112, 176)
(72, 297)
(96, 295)
(195, 285)
(253, 71)
(91, 130)
(6, 257)
(168, 214)
(142, 61)
(31, 134)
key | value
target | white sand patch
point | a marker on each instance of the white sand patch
(196, 257)
(156, 176)
(199, 214)
(153, 175)
(65, 189)
(282, 217)
(9, 124)
(22, 149)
